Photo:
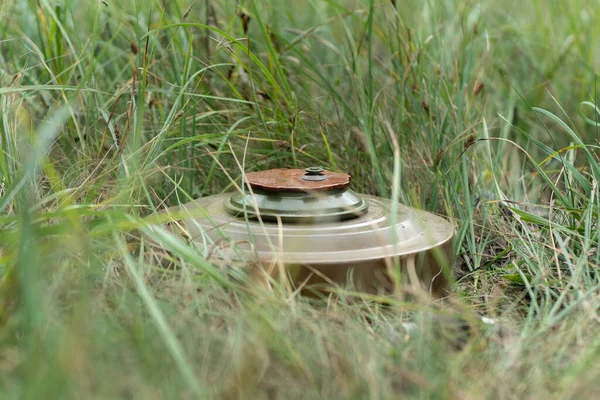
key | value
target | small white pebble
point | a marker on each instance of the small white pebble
(488, 321)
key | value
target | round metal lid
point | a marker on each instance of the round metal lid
(312, 179)
(310, 195)
(376, 234)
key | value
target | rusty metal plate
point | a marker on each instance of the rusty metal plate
(291, 180)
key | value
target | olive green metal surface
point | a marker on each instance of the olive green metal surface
(297, 207)
(370, 236)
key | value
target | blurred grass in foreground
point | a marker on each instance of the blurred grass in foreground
(111, 111)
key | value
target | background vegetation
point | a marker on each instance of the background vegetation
(113, 110)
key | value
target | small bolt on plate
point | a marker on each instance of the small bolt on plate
(314, 174)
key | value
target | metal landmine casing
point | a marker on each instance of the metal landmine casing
(322, 232)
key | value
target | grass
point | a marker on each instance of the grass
(110, 111)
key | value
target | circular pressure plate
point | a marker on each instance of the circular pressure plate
(290, 180)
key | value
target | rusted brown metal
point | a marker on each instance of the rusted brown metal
(290, 180)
